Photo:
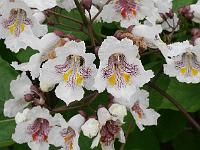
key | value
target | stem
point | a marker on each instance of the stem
(127, 134)
(66, 17)
(100, 10)
(86, 101)
(175, 103)
(86, 22)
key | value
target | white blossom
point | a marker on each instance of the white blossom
(19, 88)
(72, 70)
(41, 4)
(120, 71)
(46, 47)
(106, 129)
(19, 26)
(183, 62)
(35, 129)
(138, 106)
(130, 12)
(66, 134)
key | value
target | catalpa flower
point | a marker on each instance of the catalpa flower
(19, 88)
(107, 128)
(66, 134)
(164, 6)
(150, 34)
(46, 47)
(19, 25)
(183, 62)
(72, 70)
(24, 93)
(35, 128)
(138, 106)
(130, 12)
(68, 5)
(41, 4)
(120, 71)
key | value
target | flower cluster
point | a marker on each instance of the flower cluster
(63, 64)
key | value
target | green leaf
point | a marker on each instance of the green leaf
(187, 141)
(186, 94)
(142, 140)
(170, 124)
(7, 128)
(7, 74)
(180, 3)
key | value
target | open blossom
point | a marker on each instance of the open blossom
(24, 93)
(164, 6)
(19, 88)
(46, 47)
(138, 106)
(35, 128)
(130, 12)
(107, 128)
(72, 70)
(41, 4)
(183, 62)
(120, 71)
(150, 34)
(66, 4)
(66, 134)
(19, 25)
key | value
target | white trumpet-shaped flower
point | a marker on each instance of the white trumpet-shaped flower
(72, 70)
(19, 26)
(138, 106)
(130, 12)
(120, 71)
(19, 88)
(66, 134)
(183, 62)
(35, 128)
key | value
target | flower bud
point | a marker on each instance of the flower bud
(87, 4)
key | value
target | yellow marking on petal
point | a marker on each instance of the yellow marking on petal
(126, 77)
(183, 70)
(112, 80)
(22, 27)
(140, 115)
(67, 74)
(194, 72)
(79, 79)
(12, 28)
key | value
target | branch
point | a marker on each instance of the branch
(175, 103)
(100, 10)
(86, 22)
(66, 17)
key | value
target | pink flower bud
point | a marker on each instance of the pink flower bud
(87, 4)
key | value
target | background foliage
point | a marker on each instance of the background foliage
(173, 131)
